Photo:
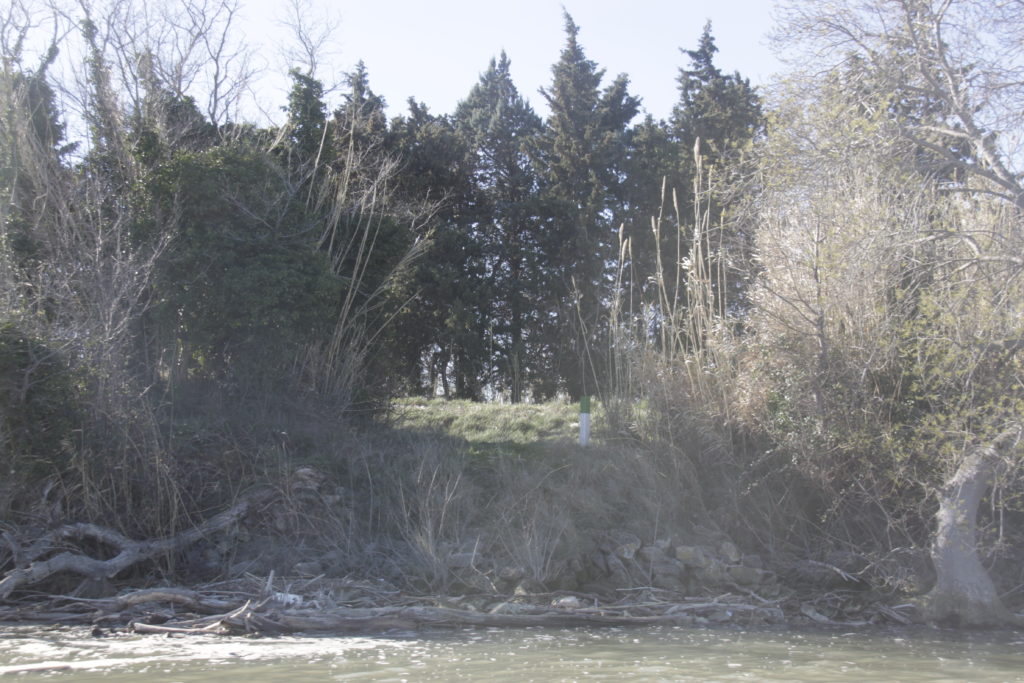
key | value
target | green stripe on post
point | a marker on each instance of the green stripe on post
(584, 420)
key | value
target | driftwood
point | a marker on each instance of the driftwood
(265, 605)
(258, 618)
(31, 569)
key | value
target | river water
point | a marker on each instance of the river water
(641, 654)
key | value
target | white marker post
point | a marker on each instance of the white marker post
(584, 420)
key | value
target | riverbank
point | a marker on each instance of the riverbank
(456, 515)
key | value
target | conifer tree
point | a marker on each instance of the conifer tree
(439, 339)
(307, 116)
(581, 155)
(498, 126)
(723, 111)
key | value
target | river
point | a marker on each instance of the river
(641, 654)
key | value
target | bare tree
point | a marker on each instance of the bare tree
(312, 33)
(959, 58)
(932, 108)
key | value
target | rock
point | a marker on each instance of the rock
(650, 553)
(666, 566)
(713, 574)
(478, 582)
(511, 573)
(567, 602)
(746, 576)
(617, 572)
(212, 556)
(529, 587)
(670, 575)
(599, 563)
(692, 556)
(729, 552)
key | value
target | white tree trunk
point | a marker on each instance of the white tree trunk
(964, 593)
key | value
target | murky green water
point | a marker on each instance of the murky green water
(650, 654)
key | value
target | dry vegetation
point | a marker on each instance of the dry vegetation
(824, 375)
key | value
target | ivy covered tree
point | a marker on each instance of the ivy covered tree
(241, 281)
(34, 150)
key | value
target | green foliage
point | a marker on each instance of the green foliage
(38, 406)
(360, 123)
(494, 429)
(241, 281)
(506, 221)
(307, 115)
(580, 155)
(167, 123)
(721, 110)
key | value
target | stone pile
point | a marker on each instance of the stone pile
(622, 560)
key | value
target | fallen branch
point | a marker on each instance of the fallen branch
(130, 551)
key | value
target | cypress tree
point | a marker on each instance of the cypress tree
(498, 126)
(581, 155)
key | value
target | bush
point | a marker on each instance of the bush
(38, 412)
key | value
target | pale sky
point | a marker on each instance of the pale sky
(436, 50)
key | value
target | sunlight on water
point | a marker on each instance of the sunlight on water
(653, 654)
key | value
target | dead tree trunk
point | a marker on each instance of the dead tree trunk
(130, 552)
(964, 593)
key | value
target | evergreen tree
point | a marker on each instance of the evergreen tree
(657, 175)
(32, 154)
(360, 122)
(241, 285)
(723, 111)
(307, 117)
(717, 115)
(581, 159)
(438, 338)
(505, 219)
